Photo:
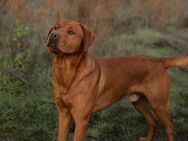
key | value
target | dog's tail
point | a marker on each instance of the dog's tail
(179, 61)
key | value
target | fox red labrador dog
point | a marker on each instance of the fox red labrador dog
(84, 84)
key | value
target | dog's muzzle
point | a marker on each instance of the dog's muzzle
(53, 40)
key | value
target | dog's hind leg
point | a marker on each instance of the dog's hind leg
(144, 109)
(159, 100)
(162, 113)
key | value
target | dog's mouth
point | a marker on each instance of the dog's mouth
(51, 45)
(53, 48)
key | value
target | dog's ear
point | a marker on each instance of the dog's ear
(88, 38)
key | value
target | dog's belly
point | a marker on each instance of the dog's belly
(106, 101)
(109, 96)
(115, 94)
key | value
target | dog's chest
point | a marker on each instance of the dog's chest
(65, 78)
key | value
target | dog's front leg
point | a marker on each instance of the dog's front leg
(64, 118)
(81, 123)
(63, 127)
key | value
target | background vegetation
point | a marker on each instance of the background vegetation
(151, 27)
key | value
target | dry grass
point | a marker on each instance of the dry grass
(99, 15)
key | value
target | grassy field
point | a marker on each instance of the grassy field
(27, 109)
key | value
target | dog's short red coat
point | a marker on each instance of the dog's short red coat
(84, 84)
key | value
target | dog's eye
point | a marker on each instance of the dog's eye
(71, 32)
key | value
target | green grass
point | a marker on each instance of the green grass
(27, 109)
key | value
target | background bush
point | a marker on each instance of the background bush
(150, 27)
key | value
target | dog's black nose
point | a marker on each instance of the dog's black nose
(53, 39)
(54, 36)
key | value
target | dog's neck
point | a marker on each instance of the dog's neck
(69, 61)
(68, 66)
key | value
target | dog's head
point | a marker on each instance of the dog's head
(69, 37)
